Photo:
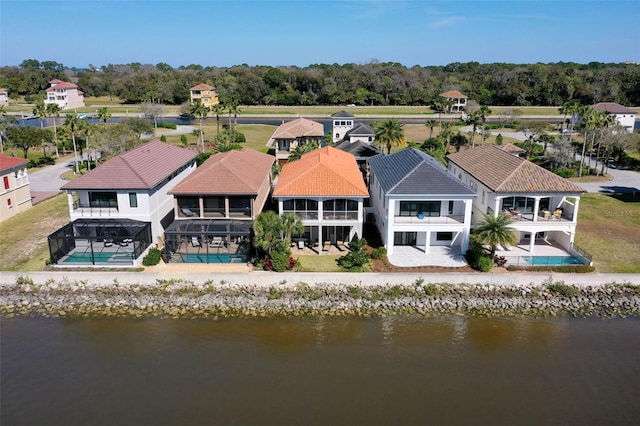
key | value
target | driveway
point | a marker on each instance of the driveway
(46, 182)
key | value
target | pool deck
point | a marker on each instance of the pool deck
(541, 248)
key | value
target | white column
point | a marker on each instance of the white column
(496, 206)
(536, 207)
(70, 201)
(427, 245)
(200, 207)
(532, 242)
(576, 203)
(320, 240)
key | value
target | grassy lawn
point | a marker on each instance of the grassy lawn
(609, 229)
(257, 135)
(315, 263)
(23, 246)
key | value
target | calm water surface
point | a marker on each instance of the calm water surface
(398, 371)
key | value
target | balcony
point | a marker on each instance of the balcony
(429, 220)
(329, 215)
(545, 217)
(304, 214)
(88, 210)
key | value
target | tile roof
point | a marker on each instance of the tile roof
(453, 94)
(360, 129)
(504, 172)
(613, 108)
(9, 164)
(511, 148)
(342, 114)
(56, 81)
(62, 85)
(324, 172)
(412, 172)
(300, 127)
(202, 86)
(143, 167)
(233, 172)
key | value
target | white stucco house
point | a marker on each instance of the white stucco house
(66, 95)
(416, 202)
(626, 117)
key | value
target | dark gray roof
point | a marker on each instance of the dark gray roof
(413, 172)
(360, 150)
(360, 129)
(342, 114)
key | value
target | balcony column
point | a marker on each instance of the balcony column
(536, 207)
(496, 206)
(200, 207)
(427, 243)
(226, 207)
(532, 241)
(576, 203)
(70, 201)
(320, 240)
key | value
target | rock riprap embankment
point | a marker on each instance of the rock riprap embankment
(181, 298)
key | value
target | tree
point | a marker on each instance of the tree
(473, 120)
(53, 110)
(5, 121)
(72, 122)
(431, 124)
(561, 156)
(495, 231)
(139, 126)
(104, 115)
(26, 137)
(291, 225)
(267, 229)
(40, 111)
(300, 150)
(217, 110)
(199, 110)
(152, 111)
(390, 134)
(459, 140)
(483, 113)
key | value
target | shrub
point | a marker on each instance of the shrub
(167, 126)
(240, 137)
(500, 261)
(163, 138)
(378, 253)
(357, 258)
(565, 173)
(183, 140)
(562, 289)
(279, 261)
(485, 263)
(153, 257)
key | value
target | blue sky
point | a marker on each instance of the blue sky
(265, 32)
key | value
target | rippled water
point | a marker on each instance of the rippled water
(397, 371)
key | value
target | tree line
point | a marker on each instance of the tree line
(373, 83)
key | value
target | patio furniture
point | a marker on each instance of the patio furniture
(108, 242)
(217, 242)
(300, 244)
(187, 212)
(547, 214)
(557, 214)
(341, 246)
(195, 242)
(326, 246)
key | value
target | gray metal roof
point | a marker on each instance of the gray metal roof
(412, 172)
(342, 114)
(359, 149)
(360, 129)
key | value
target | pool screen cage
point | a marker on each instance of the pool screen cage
(100, 241)
(208, 241)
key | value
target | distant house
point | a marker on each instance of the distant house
(293, 134)
(121, 207)
(204, 93)
(511, 149)
(326, 191)
(626, 117)
(216, 205)
(4, 97)
(458, 100)
(542, 205)
(15, 195)
(354, 137)
(64, 94)
(417, 203)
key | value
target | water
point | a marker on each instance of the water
(399, 371)
(552, 260)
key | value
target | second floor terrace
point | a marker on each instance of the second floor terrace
(215, 207)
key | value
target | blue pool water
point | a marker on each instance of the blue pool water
(552, 260)
(86, 257)
(208, 258)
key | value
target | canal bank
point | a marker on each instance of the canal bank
(285, 295)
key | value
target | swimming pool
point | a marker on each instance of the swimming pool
(552, 260)
(208, 258)
(104, 257)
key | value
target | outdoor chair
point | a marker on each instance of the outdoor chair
(300, 244)
(187, 212)
(195, 242)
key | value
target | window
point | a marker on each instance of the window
(337, 135)
(412, 208)
(133, 200)
(340, 209)
(404, 238)
(444, 236)
(450, 206)
(6, 182)
(9, 202)
(103, 199)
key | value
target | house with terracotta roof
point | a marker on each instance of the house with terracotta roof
(292, 134)
(204, 93)
(325, 189)
(626, 117)
(64, 94)
(458, 100)
(15, 195)
(542, 205)
(121, 207)
(418, 206)
(215, 207)
(4, 97)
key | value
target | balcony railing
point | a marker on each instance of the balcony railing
(240, 212)
(214, 212)
(304, 215)
(430, 220)
(541, 217)
(89, 210)
(329, 215)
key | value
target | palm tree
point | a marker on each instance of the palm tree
(53, 110)
(233, 108)
(267, 229)
(104, 114)
(495, 231)
(473, 120)
(390, 134)
(300, 150)
(72, 122)
(459, 140)
(291, 225)
(586, 115)
(483, 113)
(446, 132)
(431, 124)
(40, 111)
(217, 110)
(198, 109)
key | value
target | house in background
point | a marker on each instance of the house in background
(215, 207)
(15, 195)
(626, 117)
(4, 97)
(418, 205)
(123, 206)
(346, 129)
(325, 189)
(204, 93)
(64, 94)
(542, 205)
(458, 100)
(293, 134)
